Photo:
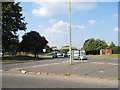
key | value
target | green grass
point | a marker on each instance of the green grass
(17, 59)
(113, 56)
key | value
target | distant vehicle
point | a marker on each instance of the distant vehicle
(65, 55)
(59, 54)
(55, 55)
(68, 53)
(49, 53)
(78, 54)
(83, 57)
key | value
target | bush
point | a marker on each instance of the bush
(116, 50)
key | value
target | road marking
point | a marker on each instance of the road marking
(115, 64)
(104, 63)
(100, 63)
(101, 71)
(112, 64)
(97, 62)
(93, 62)
(1, 70)
(39, 65)
(15, 68)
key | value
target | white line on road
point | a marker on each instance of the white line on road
(112, 64)
(100, 63)
(39, 65)
(93, 62)
(97, 62)
(1, 70)
(104, 63)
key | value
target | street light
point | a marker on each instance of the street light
(69, 15)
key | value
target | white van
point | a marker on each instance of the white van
(79, 54)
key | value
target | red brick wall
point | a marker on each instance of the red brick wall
(105, 52)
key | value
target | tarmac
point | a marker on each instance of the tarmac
(83, 69)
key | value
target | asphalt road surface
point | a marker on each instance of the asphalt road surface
(40, 81)
(48, 60)
(6, 67)
(10, 80)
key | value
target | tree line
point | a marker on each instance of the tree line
(92, 46)
(12, 22)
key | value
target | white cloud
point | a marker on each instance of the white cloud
(54, 8)
(62, 27)
(116, 15)
(79, 27)
(51, 21)
(59, 30)
(59, 27)
(92, 22)
(40, 26)
(117, 29)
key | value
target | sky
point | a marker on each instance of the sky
(98, 20)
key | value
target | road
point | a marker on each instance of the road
(50, 60)
(40, 81)
(92, 67)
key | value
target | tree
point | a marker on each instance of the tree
(65, 49)
(12, 21)
(92, 46)
(89, 45)
(100, 44)
(48, 49)
(33, 42)
(112, 45)
(116, 50)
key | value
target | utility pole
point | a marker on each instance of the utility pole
(69, 15)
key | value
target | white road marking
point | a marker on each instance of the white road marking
(1, 70)
(39, 65)
(112, 64)
(100, 63)
(101, 71)
(59, 63)
(104, 63)
(97, 62)
(93, 62)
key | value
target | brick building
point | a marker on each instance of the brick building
(105, 51)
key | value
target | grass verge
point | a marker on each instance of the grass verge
(17, 59)
(112, 56)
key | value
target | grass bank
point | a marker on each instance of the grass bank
(17, 59)
(113, 56)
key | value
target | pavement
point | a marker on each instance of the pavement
(84, 69)
(46, 81)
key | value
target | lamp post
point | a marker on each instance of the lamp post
(69, 15)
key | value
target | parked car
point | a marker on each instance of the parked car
(83, 57)
(55, 55)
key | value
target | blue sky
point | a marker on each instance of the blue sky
(97, 20)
